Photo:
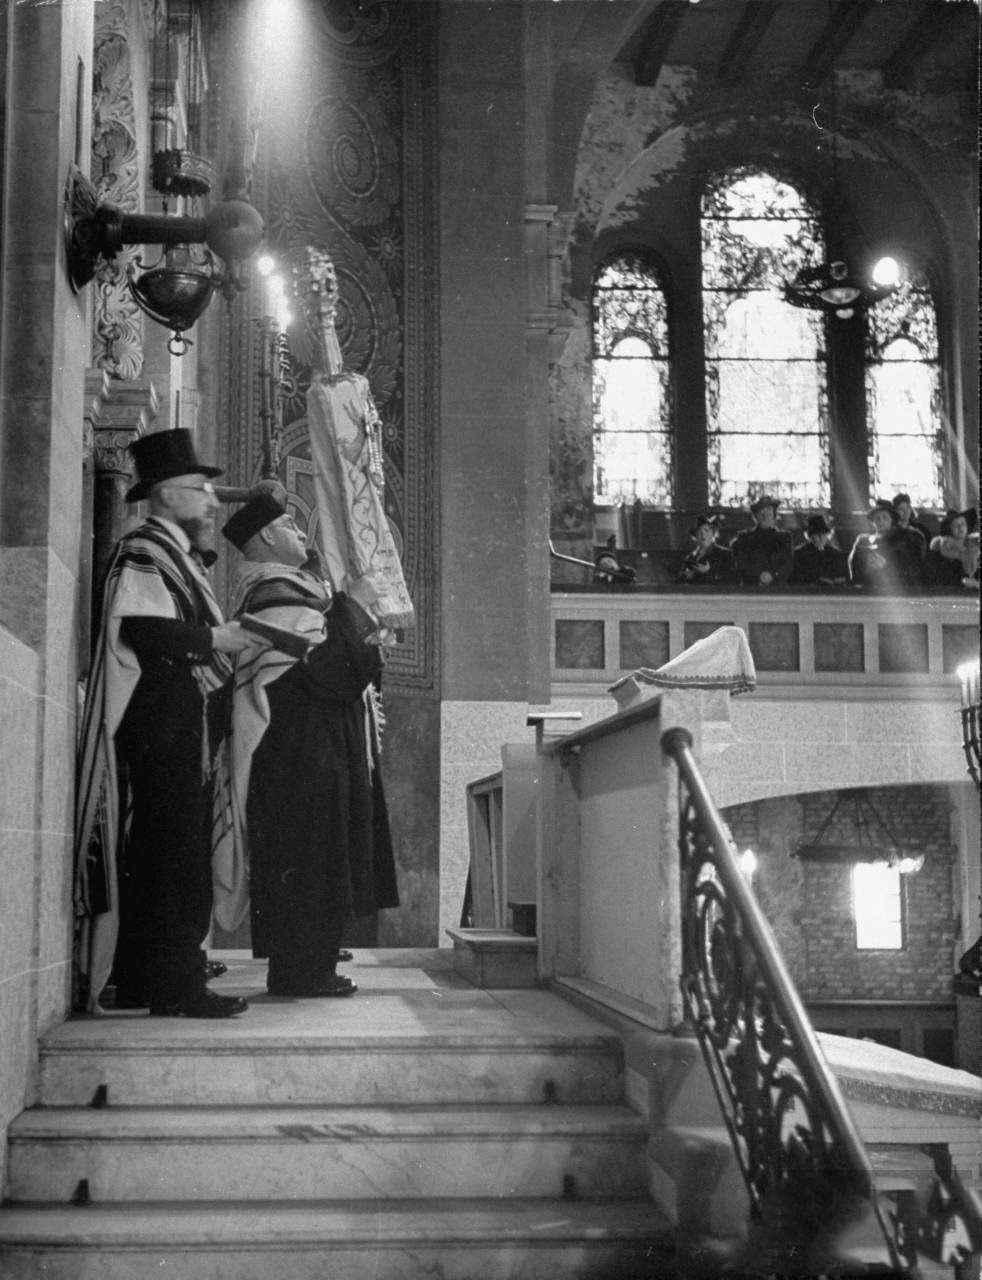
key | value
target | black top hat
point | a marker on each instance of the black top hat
(765, 500)
(882, 505)
(249, 520)
(700, 521)
(162, 455)
(817, 524)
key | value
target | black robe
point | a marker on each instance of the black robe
(319, 839)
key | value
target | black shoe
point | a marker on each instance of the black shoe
(203, 1004)
(333, 984)
(344, 955)
(125, 999)
(214, 969)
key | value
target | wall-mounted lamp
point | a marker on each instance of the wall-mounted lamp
(177, 289)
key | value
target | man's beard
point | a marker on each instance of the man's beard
(200, 531)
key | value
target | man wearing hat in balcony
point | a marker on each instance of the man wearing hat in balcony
(707, 564)
(886, 559)
(817, 563)
(306, 792)
(152, 719)
(762, 555)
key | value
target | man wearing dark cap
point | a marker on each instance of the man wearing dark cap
(306, 795)
(886, 559)
(707, 564)
(817, 563)
(143, 848)
(762, 555)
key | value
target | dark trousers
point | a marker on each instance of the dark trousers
(165, 876)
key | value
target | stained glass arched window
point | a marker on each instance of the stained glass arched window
(903, 397)
(766, 393)
(632, 420)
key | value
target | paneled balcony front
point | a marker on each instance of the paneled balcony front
(804, 645)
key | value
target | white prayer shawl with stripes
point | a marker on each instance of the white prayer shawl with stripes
(254, 672)
(144, 579)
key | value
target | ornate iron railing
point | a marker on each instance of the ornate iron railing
(814, 1207)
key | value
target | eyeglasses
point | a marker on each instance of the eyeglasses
(207, 487)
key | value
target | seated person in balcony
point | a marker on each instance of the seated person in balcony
(762, 555)
(953, 558)
(817, 563)
(707, 564)
(907, 518)
(886, 559)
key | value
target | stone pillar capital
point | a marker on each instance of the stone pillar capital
(126, 413)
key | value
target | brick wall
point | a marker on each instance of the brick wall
(809, 904)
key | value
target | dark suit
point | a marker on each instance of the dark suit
(812, 566)
(760, 550)
(163, 745)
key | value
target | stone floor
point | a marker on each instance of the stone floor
(401, 992)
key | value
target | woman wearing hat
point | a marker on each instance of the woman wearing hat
(149, 736)
(707, 564)
(953, 558)
(886, 559)
(817, 563)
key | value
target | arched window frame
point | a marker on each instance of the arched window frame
(625, 321)
(728, 281)
(908, 319)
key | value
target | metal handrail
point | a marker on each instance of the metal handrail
(763, 1055)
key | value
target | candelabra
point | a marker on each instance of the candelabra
(968, 674)
(274, 363)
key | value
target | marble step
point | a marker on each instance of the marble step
(398, 1240)
(195, 1067)
(263, 1153)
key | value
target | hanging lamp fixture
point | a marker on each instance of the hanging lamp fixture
(201, 252)
(837, 286)
(875, 840)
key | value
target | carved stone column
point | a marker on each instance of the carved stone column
(125, 414)
(96, 392)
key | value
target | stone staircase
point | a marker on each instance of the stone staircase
(423, 1128)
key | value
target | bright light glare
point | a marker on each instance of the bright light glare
(748, 862)
(265, 265)
(886, 272)
(877, 907)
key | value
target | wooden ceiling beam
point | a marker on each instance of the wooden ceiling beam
(843, 23)
(656, 38)
(744, 39)
(930, 26)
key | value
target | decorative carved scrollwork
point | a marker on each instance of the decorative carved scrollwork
(117, 320)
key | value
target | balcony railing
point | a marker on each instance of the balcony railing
(797, 640)
(807, 1172)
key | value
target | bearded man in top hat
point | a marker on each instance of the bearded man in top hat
(152, 720)
(307, 800)
(762, 555)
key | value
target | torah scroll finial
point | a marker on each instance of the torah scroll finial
(317, 290)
